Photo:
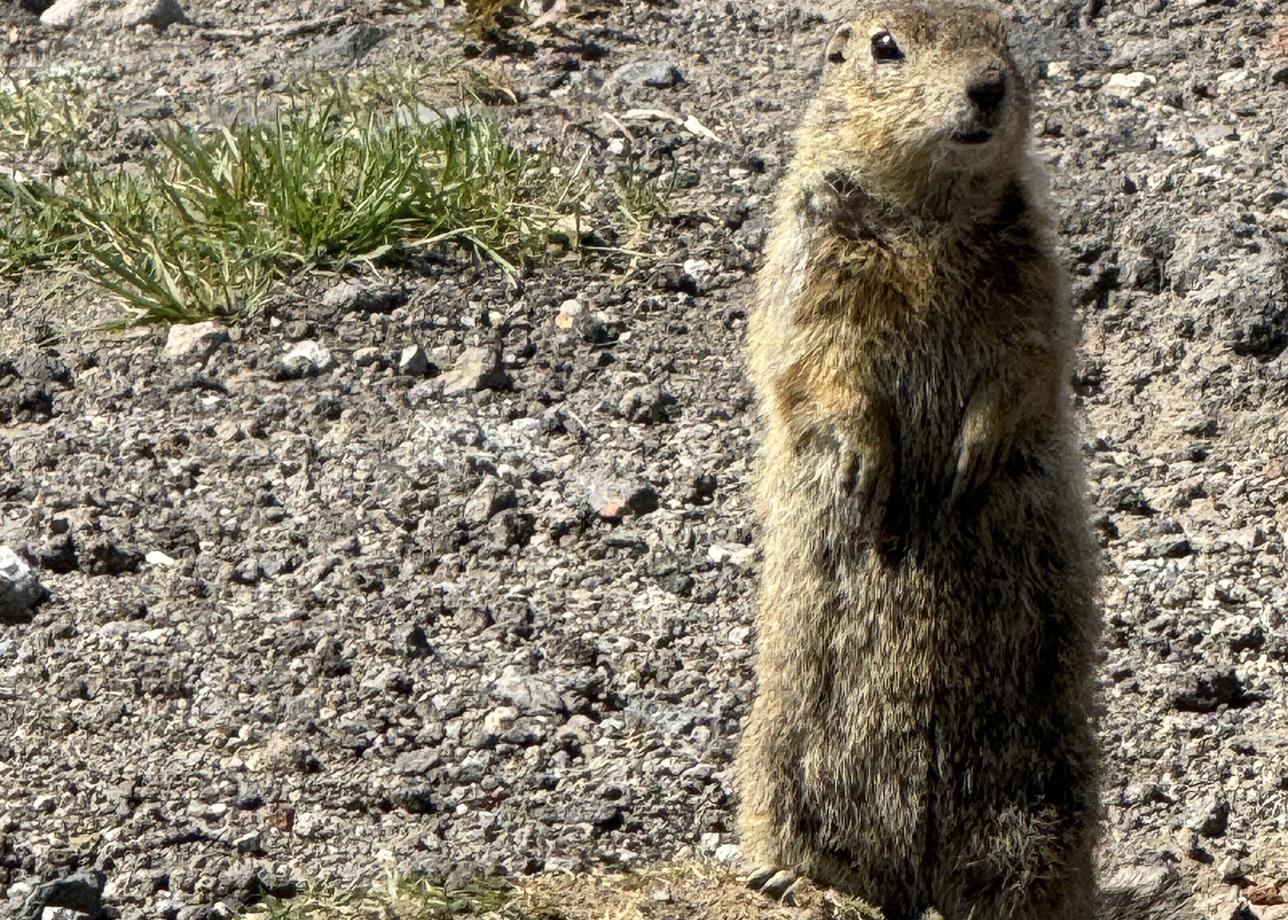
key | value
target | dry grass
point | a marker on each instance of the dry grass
(485, 16)
(696, 890)
(693, 890)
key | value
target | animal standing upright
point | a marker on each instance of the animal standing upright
(922, 733)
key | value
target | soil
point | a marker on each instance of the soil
(319, 619)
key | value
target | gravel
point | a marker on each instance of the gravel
(492, 613)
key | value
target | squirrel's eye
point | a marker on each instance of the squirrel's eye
(884, 48)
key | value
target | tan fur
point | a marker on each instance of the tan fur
(922, 732)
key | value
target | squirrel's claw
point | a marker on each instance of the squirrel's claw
(977, 460)
(771, 881)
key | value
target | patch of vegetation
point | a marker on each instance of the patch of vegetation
(55, 116)
(642, 194)
(486, 16)
(406, 899)
(212, 221)
(692, 890)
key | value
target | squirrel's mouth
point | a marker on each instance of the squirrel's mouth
(977, 136)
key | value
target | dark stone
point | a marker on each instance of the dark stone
(352, 42)
(1206, 691)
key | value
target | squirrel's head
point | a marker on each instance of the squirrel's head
(913, 92)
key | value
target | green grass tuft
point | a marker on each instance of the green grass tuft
(214, 221)
(643, 195)
(55, 116)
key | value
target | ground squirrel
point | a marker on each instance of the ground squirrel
(922, 732)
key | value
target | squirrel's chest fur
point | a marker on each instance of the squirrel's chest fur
(914, 322)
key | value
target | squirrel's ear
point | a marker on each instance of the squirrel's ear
(838, 46)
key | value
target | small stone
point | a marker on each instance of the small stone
(646, 405)
(1249, 538)
(656, 74)
(738, 554)
(413, 361)
(250, 843)
(498, 721)
(1249, 638)
(415, 799)
(1208, 690)
(416, 643)
(477, 368)
(418, 762)
(20, 589)
(156, 557)
(568, 313)
(1127, 85)
(247, 571)
(489, 499)
(1264, 895)
(698, 271)
(728, 853)
(159, 14)
(612, 498)
(352, 42)
(702, 488)
(527, 693)
(1231, 870)
(365, 357)
(1210, 817)
(194, 343)
(306, 359)
(349, 296)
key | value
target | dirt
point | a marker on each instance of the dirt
(311, 627)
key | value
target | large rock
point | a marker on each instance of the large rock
(1145, 893)
(80, 893)
(156, 13)
(20, 589)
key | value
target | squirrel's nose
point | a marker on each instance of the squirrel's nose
(987, 91)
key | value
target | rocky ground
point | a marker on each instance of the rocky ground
(437, 572)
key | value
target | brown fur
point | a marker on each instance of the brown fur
(922, 733)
